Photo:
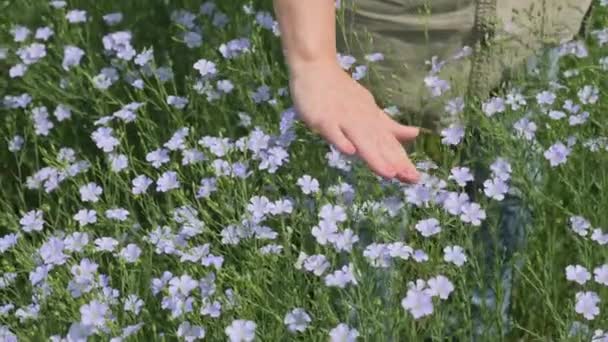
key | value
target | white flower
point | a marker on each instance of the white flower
(297, 320)
(85, 216)
(193, 39)
(119, 43)
(32, 221)
(42, 124)
(374, 57)
(454, 201)
(17, 70)
(493, 106)
(599, 237)
(205, 68)
(428, 227)
(341, 278)
(379, 254)
(258, 207)
(212, 309)
(104, 139)
(16, 143)
(271, 249)
(455, 255)
(62, 112)
(556, 114)
(32, 53)
(90, 192)
(308, 184)
(332, 213)
(525, 128)
(177, 101)
(317, 264)
(360, 72)
(20, 33)
(241, 331)
(461, 175)
(472, 213)
(71, 56)
(440, 286)
(495, 189)
(140, 184)
(588, 94)
(601, 275)
(345, 240)
(324, 232)
(577, 273)
(587, 304)
(452, 135)
(167, 181)
(190, 332)
(158, 157)
(118, 214)
(76, 16)
(557, 154)
(436, 86)
(105, 244)
(118, 162)
(579, 225)
(455, 106)
(418, 301)
(112, 19)
(545, 98)
(501, 169)
(343, 333)
(130, 253)
(345, 61)
(420, 256)
(94, 313)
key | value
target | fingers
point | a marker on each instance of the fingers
(396, 156)
(377, 145)
(334, 135)
(367, 148)
(403, 132)
(376, 141)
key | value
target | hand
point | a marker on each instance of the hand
(334, 105)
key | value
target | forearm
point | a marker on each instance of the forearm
(308, 31)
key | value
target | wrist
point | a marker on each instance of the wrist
(304, 64)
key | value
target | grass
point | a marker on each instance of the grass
(266, 287)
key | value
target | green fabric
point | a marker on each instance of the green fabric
(502, 34)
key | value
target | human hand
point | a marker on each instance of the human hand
(343, 112)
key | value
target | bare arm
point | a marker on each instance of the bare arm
(329, 100)
(308, 31)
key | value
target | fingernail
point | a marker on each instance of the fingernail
(404, 175)
(414, 176)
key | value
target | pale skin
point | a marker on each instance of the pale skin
(329, 101)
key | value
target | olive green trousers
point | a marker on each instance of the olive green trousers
(500, 34)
